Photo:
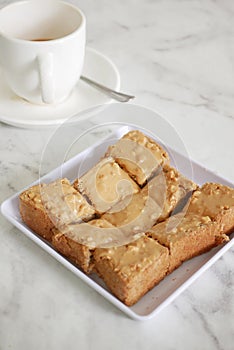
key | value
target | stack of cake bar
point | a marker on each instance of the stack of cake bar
(158, 217)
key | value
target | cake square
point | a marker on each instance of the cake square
(45, 206)
(167, 189)
(139, 155)
(216, 201)
(73, 242)
(34, 214)
(132, 270)
(135, 214)
(187, 236)
(106, 184)
(65, 204)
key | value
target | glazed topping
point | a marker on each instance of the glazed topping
(138, 137)
(134, 206)
(33, 194)
(170, 230)
(139, 155)
(140, 213)
(211, 199)
(64, 204)
(133, 257)
(112, 182)
(136, 159)
(98, 233)
(177, 187)
(106, 184)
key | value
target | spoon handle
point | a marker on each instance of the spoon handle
(118, 96)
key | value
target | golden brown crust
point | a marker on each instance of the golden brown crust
(131, 271)
(34, 216)
(38, 212)
(187, 236)
(75, 252)
(68, 241)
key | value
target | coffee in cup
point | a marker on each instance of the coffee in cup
(42, 47)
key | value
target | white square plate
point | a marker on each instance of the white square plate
(167, 290)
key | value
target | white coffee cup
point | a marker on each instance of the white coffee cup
(42, 47)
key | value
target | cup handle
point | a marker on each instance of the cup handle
(46, 69)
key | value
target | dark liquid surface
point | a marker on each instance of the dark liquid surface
(41, 39)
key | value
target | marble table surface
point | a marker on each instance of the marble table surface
(177, 57)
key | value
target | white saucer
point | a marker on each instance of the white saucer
(18, 112)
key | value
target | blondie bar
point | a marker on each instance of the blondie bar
(106, 184)
(132, 270)
(139, 155)
(45, 206)
(68, 240)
